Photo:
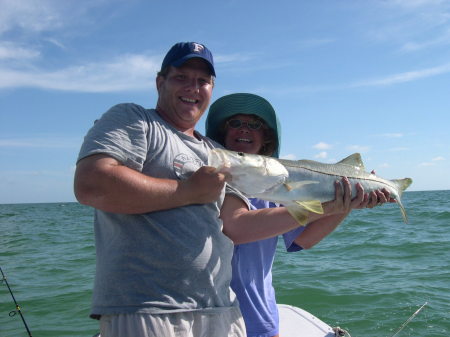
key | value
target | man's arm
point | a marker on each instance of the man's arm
(104, 183)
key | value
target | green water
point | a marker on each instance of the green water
(368, 277)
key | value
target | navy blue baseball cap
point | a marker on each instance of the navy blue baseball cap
(183, 51)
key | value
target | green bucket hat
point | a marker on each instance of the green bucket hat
(241, 104)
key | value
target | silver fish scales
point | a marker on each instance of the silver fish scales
(301, 185)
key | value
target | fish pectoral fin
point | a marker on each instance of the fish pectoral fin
(299, 210)
(298, 213)
(298, 184)
(314, 206)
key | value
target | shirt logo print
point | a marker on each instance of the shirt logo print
(184, 165)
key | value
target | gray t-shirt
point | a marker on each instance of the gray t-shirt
(164, 261)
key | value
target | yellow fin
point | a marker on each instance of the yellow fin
(298, 213)
(299, 210)
(353, 160)
(314, 206)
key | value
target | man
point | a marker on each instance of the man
(163, 261)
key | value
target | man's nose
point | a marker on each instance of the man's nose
(193, 84)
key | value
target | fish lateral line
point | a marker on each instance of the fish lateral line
(390, 183)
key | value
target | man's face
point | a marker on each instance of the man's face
(184, 94)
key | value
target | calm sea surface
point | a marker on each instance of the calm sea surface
(368, 277)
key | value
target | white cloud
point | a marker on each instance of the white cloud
(404, 77)
(38, 16)
(392, 135)
(413, 19)
(289, 156)
(416, 3)
(12, 51)
(55, 43)
(127, 72)
(46, 142)
(388, 80)
(398, 149)
(358, 148)
(427, 164)
(321, 155)
(32, 18)
(31, 15)
(432, 162)
(322, 146)
(231, 58)
(442, 39)
(313, 43)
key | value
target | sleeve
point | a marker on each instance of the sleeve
(289, 238)
(120, 133)
(234, 192)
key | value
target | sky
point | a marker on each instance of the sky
(344, 76)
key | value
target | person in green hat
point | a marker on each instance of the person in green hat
(245, 122)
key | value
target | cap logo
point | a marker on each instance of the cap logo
(198, 48)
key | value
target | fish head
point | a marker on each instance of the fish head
(250, 173)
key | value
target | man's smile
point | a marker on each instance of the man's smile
(188, 100)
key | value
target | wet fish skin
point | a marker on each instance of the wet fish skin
(302, 185)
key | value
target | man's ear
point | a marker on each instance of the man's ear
(159, 82)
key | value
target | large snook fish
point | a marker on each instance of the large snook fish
(301, 185)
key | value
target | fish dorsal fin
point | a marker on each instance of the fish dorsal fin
(353, 160)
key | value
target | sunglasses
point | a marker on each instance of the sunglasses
(237, 123)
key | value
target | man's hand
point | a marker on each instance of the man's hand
(204, 185)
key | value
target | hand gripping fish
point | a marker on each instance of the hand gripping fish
(301, 185)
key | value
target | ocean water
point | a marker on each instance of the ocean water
(368, 277)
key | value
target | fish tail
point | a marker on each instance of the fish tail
(402, 209)
(402, 184)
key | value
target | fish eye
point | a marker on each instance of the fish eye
(241, 154)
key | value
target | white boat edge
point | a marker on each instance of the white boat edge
(296, 322)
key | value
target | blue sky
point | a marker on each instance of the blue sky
(344, 76)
